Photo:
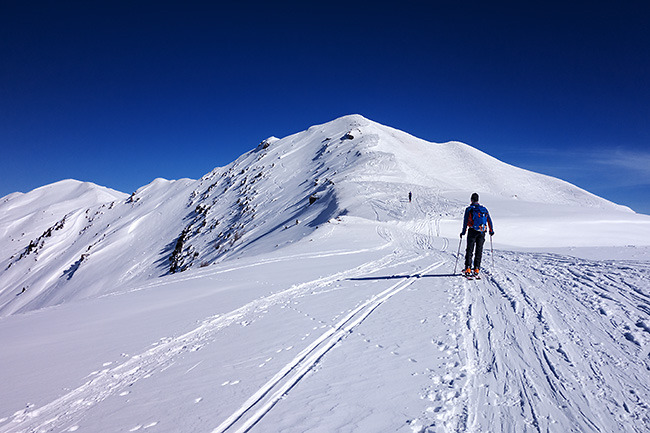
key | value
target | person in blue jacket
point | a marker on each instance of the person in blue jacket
(477, 220)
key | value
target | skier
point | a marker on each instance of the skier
(477, 219)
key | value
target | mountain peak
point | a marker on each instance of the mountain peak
(352, 119)
(277, 195)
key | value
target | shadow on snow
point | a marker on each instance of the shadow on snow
(398, 277)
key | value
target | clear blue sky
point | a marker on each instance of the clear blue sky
(119, 93)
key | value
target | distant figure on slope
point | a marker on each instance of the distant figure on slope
(477, 219)
(410, 196)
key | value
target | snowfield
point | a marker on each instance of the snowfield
(298, 290)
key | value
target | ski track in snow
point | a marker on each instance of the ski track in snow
(530, 328)
(262, 401)
(267, 261)
(66, 410)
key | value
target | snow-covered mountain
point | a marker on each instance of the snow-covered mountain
(70, 240)
(230, 293)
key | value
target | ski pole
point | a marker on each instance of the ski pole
(458, 254)
(492, 251)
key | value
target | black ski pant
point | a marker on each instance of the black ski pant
(475, 240)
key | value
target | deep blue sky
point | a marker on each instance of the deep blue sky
(119, 93)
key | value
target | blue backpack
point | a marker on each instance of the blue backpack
(479, 216)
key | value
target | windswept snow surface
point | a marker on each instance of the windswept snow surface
(343, 315)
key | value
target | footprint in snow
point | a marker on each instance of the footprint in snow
(264, 363)
(631, 338)
(139, 427)
(435, 409)
(438, 343)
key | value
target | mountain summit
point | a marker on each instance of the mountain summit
(71, 240)
(312, 285)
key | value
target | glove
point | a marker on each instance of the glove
(462, 234)
(491, 233)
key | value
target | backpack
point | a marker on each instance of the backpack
(479, 216)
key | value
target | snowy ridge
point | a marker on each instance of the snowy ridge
(30, 214)
(71, 240)
(297, 289)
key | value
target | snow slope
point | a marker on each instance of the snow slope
(22, 214)
(328, 336)
(69, 241)
(232, 304)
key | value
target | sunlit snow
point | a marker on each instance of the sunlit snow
(298, 290)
